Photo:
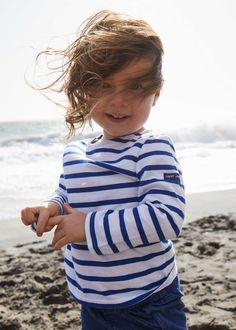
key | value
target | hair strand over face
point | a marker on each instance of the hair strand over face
(106, 42)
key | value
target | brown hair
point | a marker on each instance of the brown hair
(107, 42)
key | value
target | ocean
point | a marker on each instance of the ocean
(31, 160)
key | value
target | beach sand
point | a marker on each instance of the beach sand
(33, 291)
(204, 204)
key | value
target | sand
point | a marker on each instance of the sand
(33, 291)
(204, 204)
(206, 255)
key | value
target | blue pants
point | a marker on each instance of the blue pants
(163, 310)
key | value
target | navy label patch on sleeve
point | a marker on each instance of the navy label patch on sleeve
(171, 176)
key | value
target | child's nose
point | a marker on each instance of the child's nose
(118, 99)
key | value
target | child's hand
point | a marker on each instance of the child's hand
(70, 227)
(29, 215)
(40, 215)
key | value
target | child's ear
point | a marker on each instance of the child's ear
(156, 97)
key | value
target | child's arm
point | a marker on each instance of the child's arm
(159, 214)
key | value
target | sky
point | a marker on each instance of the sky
(199, 62)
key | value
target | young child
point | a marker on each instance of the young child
(120, 198)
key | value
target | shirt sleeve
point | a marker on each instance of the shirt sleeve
(60, 196)
(159, 214)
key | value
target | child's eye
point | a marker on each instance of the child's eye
(136, 86)
(106, 85)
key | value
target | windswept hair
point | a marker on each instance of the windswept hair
(106, 42)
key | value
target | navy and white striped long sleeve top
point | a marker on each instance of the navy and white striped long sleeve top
(132, 192)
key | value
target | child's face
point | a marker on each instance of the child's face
(119, 108)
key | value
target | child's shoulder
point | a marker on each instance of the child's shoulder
(148, 136)
(152, 141)
(76, 144)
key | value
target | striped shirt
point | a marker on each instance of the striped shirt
(132, 193)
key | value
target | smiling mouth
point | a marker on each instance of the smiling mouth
(116, 117)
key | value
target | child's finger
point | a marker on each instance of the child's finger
(59, 234)
(54, 221)
(42, 221)
(48, 228)
(60, 243)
